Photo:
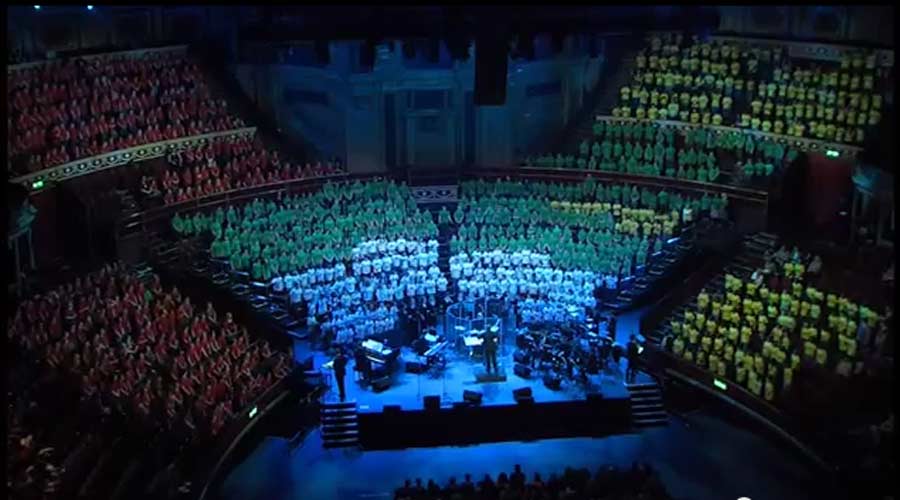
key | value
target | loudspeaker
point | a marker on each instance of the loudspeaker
(524, 392)
(472, 397)
(415, 367)
(461, 404)
(491, 61)
(552, 382)
(432, 402)
(323, 52)
(391, 409)
(381, 384)
(367, 54)
(523, 371)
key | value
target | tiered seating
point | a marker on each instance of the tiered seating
(78, 108)
(35, 453)
(353, 254)
(224, 165)
(716, 83)
(146, 353)
(606, 228)
(639, 482)
(757, 330)
(553, 246)
(653, 149)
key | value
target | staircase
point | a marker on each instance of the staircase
(583, 129)
(223, 84)
(340, 427)
(647, 409)
(749, 258)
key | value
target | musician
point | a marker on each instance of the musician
(490, 351)
(363, 365)
(340, 371)
(632, 359)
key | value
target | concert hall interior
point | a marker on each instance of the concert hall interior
(450, 252)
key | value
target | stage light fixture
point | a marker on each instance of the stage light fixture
(90, 7)
(253, 412)
(37, 7)
(832, 153)
(37, 184)
(720, 385)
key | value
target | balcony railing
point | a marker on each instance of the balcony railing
(42, 179)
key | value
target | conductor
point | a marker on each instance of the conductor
(340, 371)
(490, 352)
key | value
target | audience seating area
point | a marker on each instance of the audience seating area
(650, 148)
(276, 238)
(638, 482)
(758, 330)
(226, 164)
(83, 107)
(146, 353)
(607, 228)
(754, 87)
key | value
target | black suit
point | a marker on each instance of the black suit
(340, 371)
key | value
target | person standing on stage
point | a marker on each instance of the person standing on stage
(340, 371)
(632, 358)
(490, 352)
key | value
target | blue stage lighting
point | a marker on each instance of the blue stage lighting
(90, 7)
(37, 7)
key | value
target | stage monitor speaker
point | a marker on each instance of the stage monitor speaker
(461, 404)
(381, 384)
(415, 367)
(391, 409)
(524, 392)
(432, 403)
(595, 397)
(472, 397)
(523, 371)
(491, 62)
(552, 382)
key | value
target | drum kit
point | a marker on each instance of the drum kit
(573, 352)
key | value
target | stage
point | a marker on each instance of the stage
(397, 418)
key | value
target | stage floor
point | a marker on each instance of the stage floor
(407, 390)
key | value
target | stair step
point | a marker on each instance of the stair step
(339, 419)
(656, 422)
(336, 434)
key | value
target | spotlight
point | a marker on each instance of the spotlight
(90, 7)
(37, 7)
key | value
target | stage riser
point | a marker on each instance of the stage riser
(493, 423)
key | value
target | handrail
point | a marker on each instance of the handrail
(153, 215)
(278, 188)
(738, 397)
(121, 157)
(801, 142)
(130, 53)
(819, 51)
(747, 194)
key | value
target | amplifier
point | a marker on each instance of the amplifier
(523, 371)
(432, 402)
(472, 397)
(552, 382)
(524, 392)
